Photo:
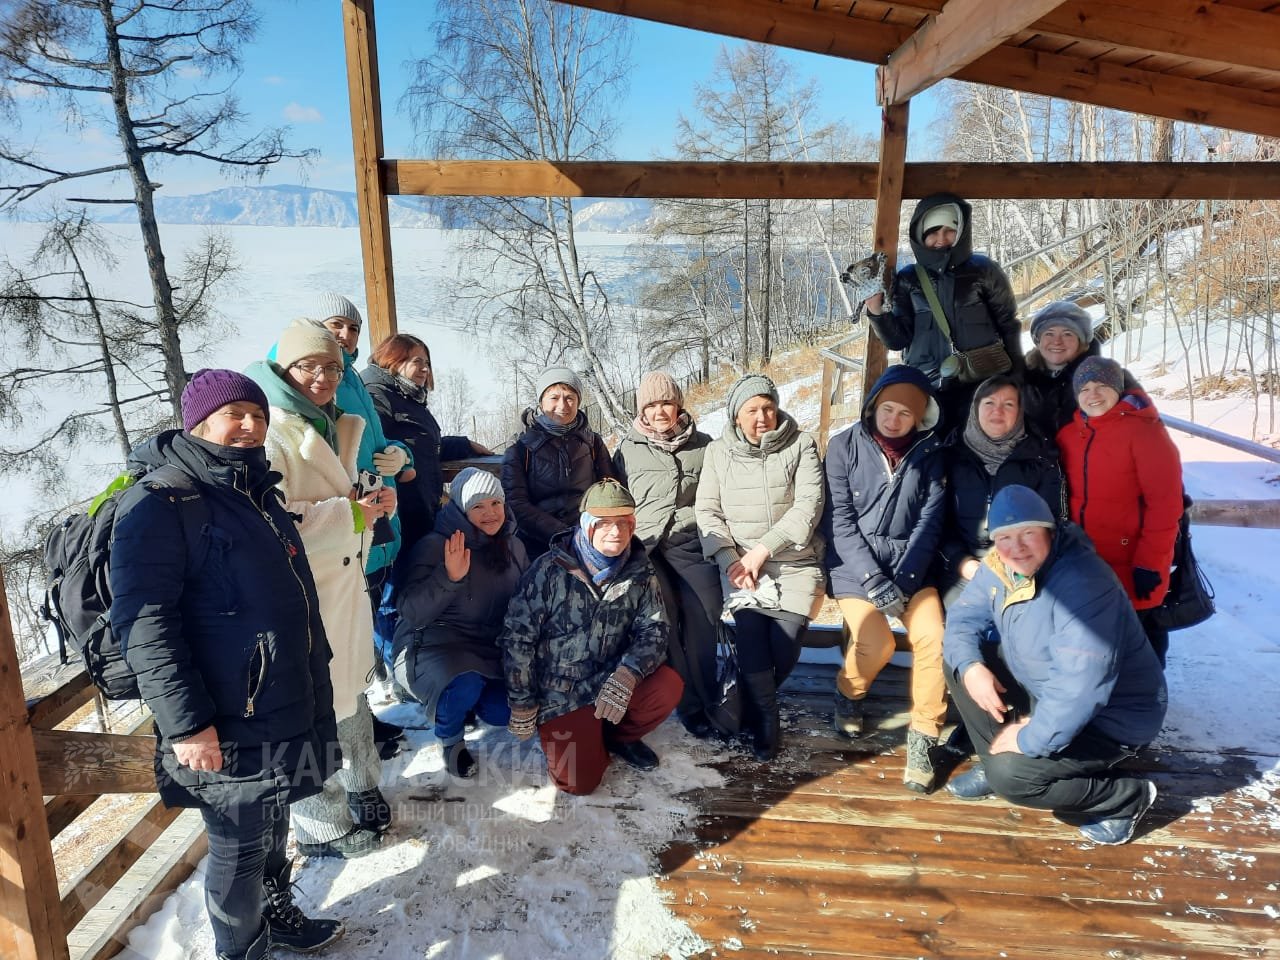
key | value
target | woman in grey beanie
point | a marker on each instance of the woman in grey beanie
(1063, 336)
(758, 504)
(548, 469)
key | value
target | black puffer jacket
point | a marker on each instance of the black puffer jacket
(449, 628)
(973, 290)
(1032, 463)
(225, 631)
(545, 475)
(407, 419)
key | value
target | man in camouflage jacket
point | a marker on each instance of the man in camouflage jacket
(585, 645)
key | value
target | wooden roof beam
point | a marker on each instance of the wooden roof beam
(1055, 75)
(1211, 32)
(767, 21)
(830, 181)
(960, 34)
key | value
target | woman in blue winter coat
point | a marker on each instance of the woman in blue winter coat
(996, 447)
(223, 631)
(886, 500)
(457, 583)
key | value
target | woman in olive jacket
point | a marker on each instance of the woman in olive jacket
(660, 460)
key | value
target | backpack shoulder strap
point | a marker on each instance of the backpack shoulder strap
(930, 294)
(192, 507)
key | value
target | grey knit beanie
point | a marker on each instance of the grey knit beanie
(752, 385)
(472, 485)
(303, 338)
(1062, 313)
(552, 375)
(327, 305)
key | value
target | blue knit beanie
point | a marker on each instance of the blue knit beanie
(1103, 370)
(1018, 506)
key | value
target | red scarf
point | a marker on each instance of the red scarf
(894, 449)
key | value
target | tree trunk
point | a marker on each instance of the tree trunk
(108, 365)
(162, 291)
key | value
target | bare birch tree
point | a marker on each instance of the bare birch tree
(528, 80)
(151, 62)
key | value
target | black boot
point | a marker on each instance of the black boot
(290, 928)
(762, 693)
(369, 809)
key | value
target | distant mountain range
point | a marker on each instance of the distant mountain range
(297, 206)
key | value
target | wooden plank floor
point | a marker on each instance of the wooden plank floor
(825, 854)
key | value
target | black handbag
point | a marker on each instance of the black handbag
(725, 710)
(1190, 597)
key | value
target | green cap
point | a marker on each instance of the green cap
(608, 498)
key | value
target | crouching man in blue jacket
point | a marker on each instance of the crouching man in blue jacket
(1071, 689)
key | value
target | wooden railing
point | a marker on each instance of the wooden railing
(63, 749)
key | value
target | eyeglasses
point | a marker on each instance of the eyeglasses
(330, 371)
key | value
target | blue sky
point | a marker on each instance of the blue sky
(294, 73)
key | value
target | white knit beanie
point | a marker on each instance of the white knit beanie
(327, 305)
(472, 485)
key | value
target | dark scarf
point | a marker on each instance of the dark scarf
(672, 440)
(599, 567)
(555, 428)
(410, 389)
(894, 449)
(992, 453)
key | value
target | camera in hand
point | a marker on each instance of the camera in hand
(368, 482)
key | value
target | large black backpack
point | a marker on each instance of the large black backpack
(77, 557)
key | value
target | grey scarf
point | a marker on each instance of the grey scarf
(992, 453)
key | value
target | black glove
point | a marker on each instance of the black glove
(1145, 582)
(888, 599)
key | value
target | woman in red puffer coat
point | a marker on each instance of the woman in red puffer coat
(1125, 481)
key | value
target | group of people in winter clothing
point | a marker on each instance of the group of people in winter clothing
(1015, 515)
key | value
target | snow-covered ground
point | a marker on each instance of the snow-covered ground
(505, 867)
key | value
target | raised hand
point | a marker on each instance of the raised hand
(457, 557)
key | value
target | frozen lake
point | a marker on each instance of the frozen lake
(280, 268)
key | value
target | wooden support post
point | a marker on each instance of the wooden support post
(371, 196)
(31, 926)
(893, 160)
(824, 411)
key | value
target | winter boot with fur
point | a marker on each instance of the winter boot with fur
(848, 719)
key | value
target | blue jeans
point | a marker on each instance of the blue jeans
(246, 843)
(464, 693)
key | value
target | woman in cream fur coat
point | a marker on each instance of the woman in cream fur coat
(313, 445)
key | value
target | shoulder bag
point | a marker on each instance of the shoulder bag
(1190, 597)
(967, 366)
